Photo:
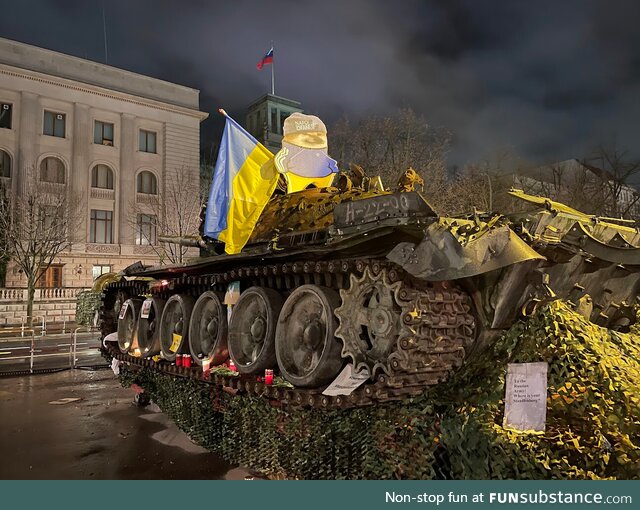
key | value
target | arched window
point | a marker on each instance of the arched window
(5, 164)
(147, 183)
(101, 177)
(52, 170)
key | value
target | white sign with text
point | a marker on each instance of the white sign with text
(526, 397)
(346, 382)
(146, 308)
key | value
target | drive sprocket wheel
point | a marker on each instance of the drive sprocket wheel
(415, 332)
(369, 321)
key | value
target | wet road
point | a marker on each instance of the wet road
(81, 424)
(49, 352)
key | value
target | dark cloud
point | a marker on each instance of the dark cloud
(546, 79)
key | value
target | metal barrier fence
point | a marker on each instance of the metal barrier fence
(40, 326)
(45, 354)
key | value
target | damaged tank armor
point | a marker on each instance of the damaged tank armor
(376, 279)
(358, 274)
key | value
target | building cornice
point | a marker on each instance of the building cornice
(99, 91)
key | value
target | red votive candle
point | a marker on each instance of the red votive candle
(268, 377)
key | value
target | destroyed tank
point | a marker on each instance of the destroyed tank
(369, 278)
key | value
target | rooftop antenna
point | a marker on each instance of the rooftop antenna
(104, 29)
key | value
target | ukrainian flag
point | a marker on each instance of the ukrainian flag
(243, 182)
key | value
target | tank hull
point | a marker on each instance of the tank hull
(378, 282)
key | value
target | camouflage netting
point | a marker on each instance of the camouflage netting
(87, 304)
(453, 430)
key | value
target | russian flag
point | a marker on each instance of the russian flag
(267, 59)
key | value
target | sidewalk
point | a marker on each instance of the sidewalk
(83, 425)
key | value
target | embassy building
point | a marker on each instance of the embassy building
(109, 136)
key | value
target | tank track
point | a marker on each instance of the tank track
(435, 327)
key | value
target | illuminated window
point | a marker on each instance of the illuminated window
(103, 133)
(99, 270)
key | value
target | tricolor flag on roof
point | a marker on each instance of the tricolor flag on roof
(267, 59)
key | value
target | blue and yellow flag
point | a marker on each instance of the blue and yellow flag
(243, 181)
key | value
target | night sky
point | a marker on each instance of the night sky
(547, 80)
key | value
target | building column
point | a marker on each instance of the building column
(30, 125)
(79, 172)
(126, 184)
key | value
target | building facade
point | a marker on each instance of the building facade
(265, 118)
(111, 137)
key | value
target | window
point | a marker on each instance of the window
(274, 121)
(51, 278)
(101, 227)
(5, 115)
(101, 177)
(54, 124)
(49, 218)
(103, 133)
(146, 231)
(52, 170)
(100, 270)
(147, 183)
(5, 164)
(283, 116)
(147, 141)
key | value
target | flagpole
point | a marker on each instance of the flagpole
(273, 80)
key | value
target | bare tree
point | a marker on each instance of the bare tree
(483, 185)
(616, 171)
(387, 146)
(37, 224)
(571, 183)
(3, 237)
(174, 212)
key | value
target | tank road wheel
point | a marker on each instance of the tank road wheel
(307, 350)
(149, 329)
(208, 330)
(369, 321)
(252, 330)
(109, 311)
(175, 321)
(127, 325)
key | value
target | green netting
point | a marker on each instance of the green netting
(451, 431)
(87, 305)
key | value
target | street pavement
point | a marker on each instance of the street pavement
(49, 352)
(81, 424)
